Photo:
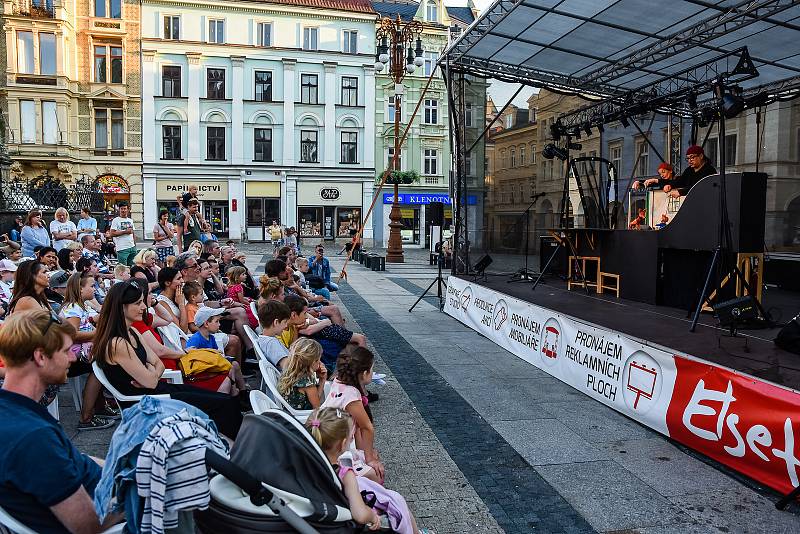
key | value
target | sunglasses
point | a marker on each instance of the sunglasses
(53, 319)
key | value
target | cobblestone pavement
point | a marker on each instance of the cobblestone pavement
(481, 442)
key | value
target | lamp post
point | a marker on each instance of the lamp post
(396, 48)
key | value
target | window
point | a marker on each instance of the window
(216, 31)
(309, 86)
(308, 146)
(170, 80)
(430, 59)
(349, 91)
(431, 111)
(171, 135)
(172, 27)
(50, 130)
(108, 63)
(643, 161)
(431, 12)
(730, 150)
(533, 154)
(264, 34)
(215, 142)
(310, 38)
(711, 149)
(468, 113)
(390, 157)
(349, 147)
(262, 144)
(390, 110)
(25, 52)
(503, 159)
(47, 53)
(509, 120)
(108, 9)
(109, 127)
(522, 156)
(431, 161)
(616, 157)
(27, 119)
(216, 84)
(350, 44)
(513, 158)
(263, 89)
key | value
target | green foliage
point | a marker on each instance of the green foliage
(403, 177)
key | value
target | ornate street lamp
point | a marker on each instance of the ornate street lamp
(396, 49)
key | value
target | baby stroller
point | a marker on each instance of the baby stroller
(277, 480)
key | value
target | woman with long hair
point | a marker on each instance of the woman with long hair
(65, 260)
(30, 284)
(171, 303)
(34, 233)
(163, 232)
(134, 369)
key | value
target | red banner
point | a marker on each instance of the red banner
(738, 420)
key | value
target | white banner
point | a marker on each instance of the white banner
(634, 379)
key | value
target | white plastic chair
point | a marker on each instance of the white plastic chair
(171, 335)
(261, 402)
(8, 523)
(76, 384)
(254, 309)
(52, 408)
(253, 337)
(173, 376)
(271, 376)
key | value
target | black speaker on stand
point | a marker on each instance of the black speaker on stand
(435, 213)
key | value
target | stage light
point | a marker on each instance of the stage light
(576, 132)
(624, 120)
(555, 131)
(482, 264)
(587, 128)
(551, 151)
(692, 98)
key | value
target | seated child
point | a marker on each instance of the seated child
(207, 321)
(302, 383)
(274, 317)
(333, 431)
(347, 393)
(193, 292)
(122, 273)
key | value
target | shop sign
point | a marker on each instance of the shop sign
(208, 190)
(321, 193)
(416, 199)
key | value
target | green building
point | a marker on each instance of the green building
(427, 147)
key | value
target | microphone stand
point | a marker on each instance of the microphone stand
(524, 275)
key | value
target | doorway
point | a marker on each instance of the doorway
(261, 211)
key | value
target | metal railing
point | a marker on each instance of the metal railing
(41, 9)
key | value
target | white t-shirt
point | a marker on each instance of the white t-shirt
(58, 227)
(6, 290)
(273, 349)
(171, 305)
(73, 310)
(123, 242)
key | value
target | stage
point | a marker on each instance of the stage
(669, 327)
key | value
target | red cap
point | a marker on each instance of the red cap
(665, 166)
(694, 149)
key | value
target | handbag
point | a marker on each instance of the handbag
(198, 361)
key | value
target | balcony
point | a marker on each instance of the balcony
(37, 9)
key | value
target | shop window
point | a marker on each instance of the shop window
(349, 91)
(309, 88)
(262, 150)
(349, 147)
(310, 220)
(215, 84)
(171, 136)
(171, 81)
(263, 89)
(216, 143)
(346, 219)
(172, 27)
(308, 146)
(108, 63)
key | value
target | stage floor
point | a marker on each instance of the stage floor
(669, 327)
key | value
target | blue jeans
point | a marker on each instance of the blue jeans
(323, 292)
(332, 286)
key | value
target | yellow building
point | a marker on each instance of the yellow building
(73, 119)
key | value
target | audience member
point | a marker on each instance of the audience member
(48, 257)
(274, 318)
(210, 248)
(62, 229)
(9, 247)
(170, 303)
(34, 234)
(14, 232)
(30, 283)
(302, 382)
(92, 248)
(145, 261)
(163, 233)
(236, 276)
(321, 267)
(56, 289)
(193, 294)
(207, 322)
(122, 273)
(47, 483)
(122, 229)
(65, 260)
(192, 227)
(87, 225)
(7, 272)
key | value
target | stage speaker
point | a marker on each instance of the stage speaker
(435, 213)
(482, 264)
(548, 245)
(735, 311)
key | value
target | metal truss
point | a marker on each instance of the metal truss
(456, 94)
(734, 18)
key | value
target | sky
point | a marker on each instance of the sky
(499, 91)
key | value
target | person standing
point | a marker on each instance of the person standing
(87, 225)
(62, 229)
(121, 231)
(276, 234)
(15, 230)
(699, 167)
(163, 232)
(192, 224)
(34, 234)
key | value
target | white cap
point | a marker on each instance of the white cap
(7, 265)
(205, 313)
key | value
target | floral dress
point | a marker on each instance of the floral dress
(296, 398)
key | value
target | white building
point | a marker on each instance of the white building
(267, 107)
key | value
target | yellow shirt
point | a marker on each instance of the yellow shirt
(288, 336)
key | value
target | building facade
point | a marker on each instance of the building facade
(73, 100)
(267, 107)
(427, 146)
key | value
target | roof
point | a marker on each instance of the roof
(406, 10)
(358, 6)
(610, 47)
(464, 14)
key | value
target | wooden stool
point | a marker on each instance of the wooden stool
(587, 282)
(601, 284)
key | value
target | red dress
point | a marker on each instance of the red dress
(236, 292)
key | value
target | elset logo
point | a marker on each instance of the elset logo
(550, 341)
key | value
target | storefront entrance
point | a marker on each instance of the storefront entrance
(216, 213)
(263, 205)
(327, 211)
